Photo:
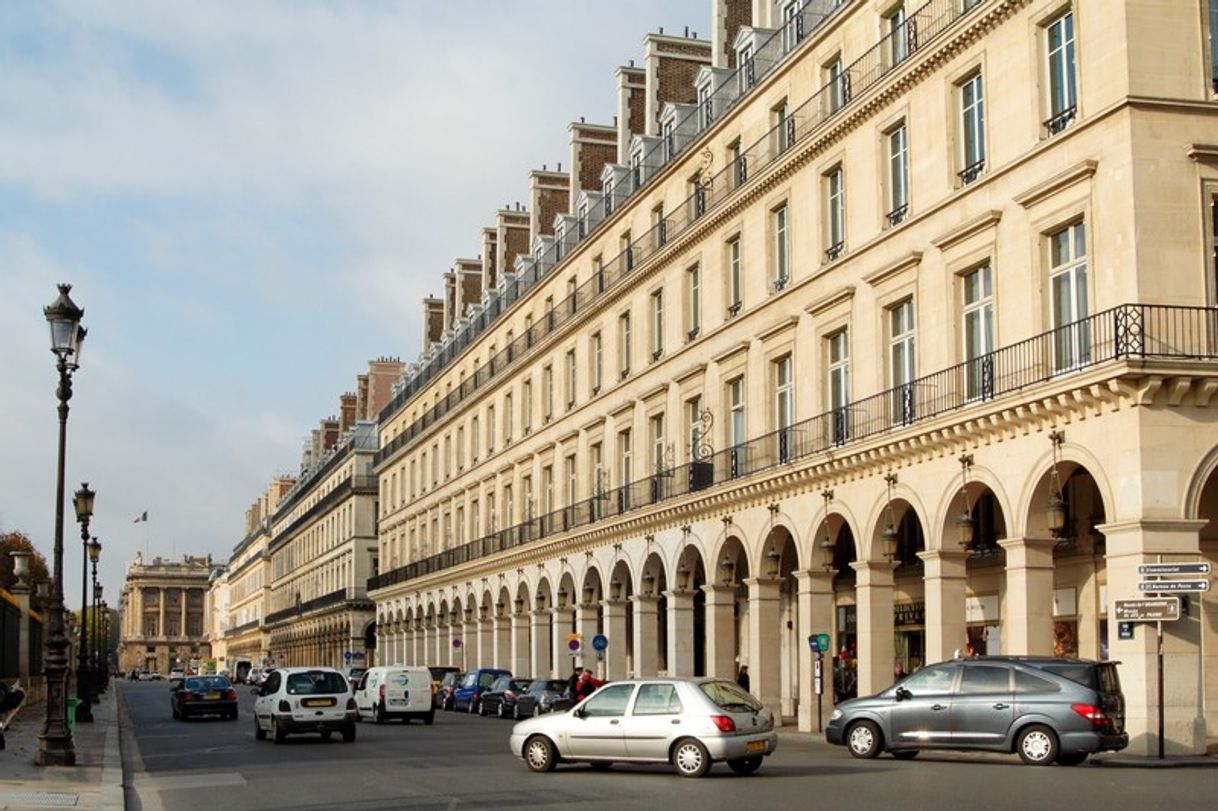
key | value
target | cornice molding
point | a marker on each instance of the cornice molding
(1083, 170)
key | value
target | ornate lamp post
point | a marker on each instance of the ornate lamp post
(83, 502)
(105, 643)
(99, 686)
(55, 747)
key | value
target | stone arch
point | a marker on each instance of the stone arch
(1197, 495)
(1034, 495)
(691, 577)
(732, 540)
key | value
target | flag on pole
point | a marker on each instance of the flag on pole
(141, 517)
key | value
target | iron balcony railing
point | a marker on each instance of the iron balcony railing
(1127, 331)
(324, 601)
(921, 27)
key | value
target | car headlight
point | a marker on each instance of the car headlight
(836, 715)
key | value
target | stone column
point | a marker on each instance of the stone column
(563, 624)
(429, 645)
(468, 652)
(520, 653)
(615, 631)
(877, 643)
(720, 631)
(765, 642)
(1027, 622)
(501, 642)
(1129, 544)
(815, 617)
(540, 645)
(486, 642)
(680, 633)
(160, 631)
(945, 578)
(586, 627)
(646, 660)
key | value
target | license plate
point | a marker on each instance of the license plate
(212, 696)
(753, 747)
(317, 702)
(397, 701)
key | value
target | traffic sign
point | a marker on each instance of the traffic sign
(456, 643)
(1156, 608)
(600, 642)
(822, 641)
(347, 656)
(573, 645)
(1172, 586)
(1175, 568)
(813, 643)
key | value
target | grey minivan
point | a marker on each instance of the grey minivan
(1047, 710)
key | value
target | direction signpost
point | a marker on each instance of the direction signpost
(1172, 586)
(1155, 609)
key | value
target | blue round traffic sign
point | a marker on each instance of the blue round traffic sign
(600, 642)
(347, 656)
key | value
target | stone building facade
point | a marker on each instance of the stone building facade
(905, 337)
(164, 608)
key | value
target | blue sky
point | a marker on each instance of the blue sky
(250, 200)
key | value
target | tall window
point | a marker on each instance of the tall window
(572, 481)
(736, 426)
(783, 131)
(656, 434)
(473, 440)
(597, 471)
(972, 128)
(746, 70)
(901, 361)
(784, 405)
(526, 406)
(547, 393)
(782, 247)
(735, 282)
(570, 378)
(835, 210)
(1059, 40)
(978, 332)
(838, 83)
(507, 418)
(792, 24)
(625, 461)
(490, 429)
(509, 506)
(1213, 21)
(1068, 289)
(693, 421)
(898, 41)
(898, 173)
(657, 324)
(693, 301)
(595, 353)
(736, 160)
(706, 110)
(839, 385)
(448, 452)
(623, 344)
(659, 227)
(670, 144)
(547, 490)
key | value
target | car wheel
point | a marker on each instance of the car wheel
(176, 715)
(1073, 758)
(536, 710)
(349, 734)
(503, 709)
(483, 709)
(905, 754)
(378, 715)
(259, 732)
(863, 739)
(516, 716)
(430, 718)
(473, 706)
(539, 754)
(325, 735)
(745, 765)
(1037, 745)
(278, 735)
(690, 758)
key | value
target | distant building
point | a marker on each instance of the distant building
(164, 614)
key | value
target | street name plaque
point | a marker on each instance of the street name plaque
(1152, 609)
(1172, 586)
(1175, 568)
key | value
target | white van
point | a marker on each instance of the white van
(395, 692)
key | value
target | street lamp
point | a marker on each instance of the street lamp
(889, 535)
(99, 685)
(83, 502)
(55, 747)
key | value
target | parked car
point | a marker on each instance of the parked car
(395, 692)
(177, 674)
(1047, 710)
(304, 699)
(254, 676)
(444, 693)
(203, 695)
(475, 683)
(542, 696)
(500, 699)
(690, 723)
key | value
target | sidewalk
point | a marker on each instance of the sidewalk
(95, 782)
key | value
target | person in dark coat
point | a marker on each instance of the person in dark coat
(573, 683)
(742, 678)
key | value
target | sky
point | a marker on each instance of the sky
(250, 200)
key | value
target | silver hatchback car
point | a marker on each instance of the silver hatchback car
(690, 723)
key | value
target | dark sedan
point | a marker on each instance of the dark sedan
(502, 697)
(203, 695)
(543, 695)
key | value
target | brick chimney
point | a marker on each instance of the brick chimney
(433, 320)
(329, 429)
(450, 299)
(468, 276)
(346, 411)
(671, 64)
(511, 240)
(631, 108)
(382, 374)
(592, 146)
(548, 193)
(490, 259)
(728, 18)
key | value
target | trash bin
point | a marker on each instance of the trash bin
(72, 703)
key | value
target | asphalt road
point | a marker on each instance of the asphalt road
(462, 762)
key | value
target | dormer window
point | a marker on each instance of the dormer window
(559, 234)
(581, 224)
(670, 143)
(746, 74)
(706, 110)
(636, 169)
(608, 191)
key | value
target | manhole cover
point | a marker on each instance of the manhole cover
(49, 799)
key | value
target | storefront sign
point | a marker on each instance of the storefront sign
(981, 609)
(1065, 602)
(909, 614)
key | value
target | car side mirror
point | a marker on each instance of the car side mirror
(903, 694)
(580, 712)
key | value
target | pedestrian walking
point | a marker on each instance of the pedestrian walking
(742, 677)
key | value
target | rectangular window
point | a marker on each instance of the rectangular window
(706, 110)
(781, 125)
(572, 298)
(526, 406)
(448, 454)
(835, 210)
(570, 379)
(978, 333)
(572, 481)
(735, 282)
(659, 226)
(636, 172)
(507, 418)
(837, 82)
(693, 302)
(595, 353)
(625, 458)
(597, 471)
(1068, 290)
(627, 252)
(901, 362)
(972, 129)
(737, 449)
(1059, 42)
(581, 224)
(738, 163)
(657, 325)
(792, 25)
(526, 485)
(607, 190)
(898, 173)
(839, 385)
(693, 424)
(746, 70)
(623, 344)
(670, 144)
(656, 432)
(547, 393)
(547, 490)
(490, 429)
(784, 406)
(475, 518)
(899, 43)
(782, 249)
(509, 506)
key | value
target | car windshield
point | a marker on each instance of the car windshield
(730, 696)
(206, 683)
(315, 682)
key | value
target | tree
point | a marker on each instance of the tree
(11, 541)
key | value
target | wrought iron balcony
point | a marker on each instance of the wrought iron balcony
(1061, 120)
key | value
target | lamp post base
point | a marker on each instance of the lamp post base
(55, 752)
